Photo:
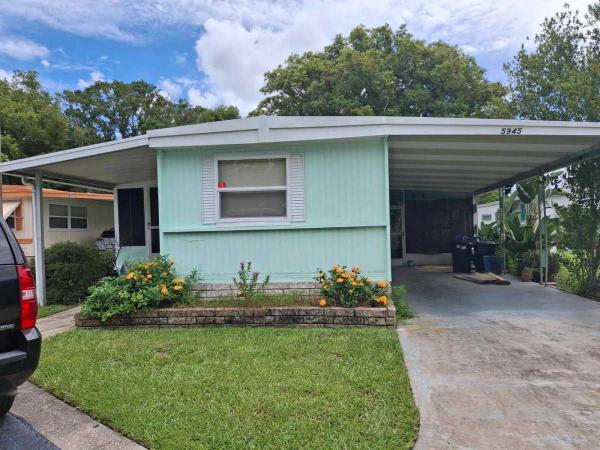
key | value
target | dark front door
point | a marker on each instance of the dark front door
(132, 219)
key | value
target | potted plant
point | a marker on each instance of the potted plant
(526, 274)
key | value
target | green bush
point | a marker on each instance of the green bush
(147, 285)
(342, 287)
(72, 268)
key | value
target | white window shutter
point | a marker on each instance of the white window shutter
(296, 187)
(209, 213)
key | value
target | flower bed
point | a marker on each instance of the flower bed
(304, 316)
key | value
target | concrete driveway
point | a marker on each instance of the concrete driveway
(501, 367)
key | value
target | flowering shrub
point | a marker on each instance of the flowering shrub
(343, 287)
(247, 283)
(147, 285)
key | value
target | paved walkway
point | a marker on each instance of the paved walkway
(57, 323)
(39, 420)
(502, 367)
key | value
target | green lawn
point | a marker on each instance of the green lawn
(403, 311)
(238, 387)
(48, 310)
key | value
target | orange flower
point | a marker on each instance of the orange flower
(322, 302)
(383, 299)
(149, 276)
(382, 284)
(178, 280)
(325, 286)
(370, 280)
(177, 288)
(130, 275)
(346, 275)
(338, 270)
(340, 280)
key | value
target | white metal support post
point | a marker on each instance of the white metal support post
(540, 226)
(502, 232)
(545, 218)
(38, 240)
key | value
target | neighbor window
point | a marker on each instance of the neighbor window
(486, 217)
(11, 221)
(67, 217)
(252, 188)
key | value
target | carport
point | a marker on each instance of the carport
(456, 157)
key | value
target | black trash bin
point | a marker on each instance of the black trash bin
(480, 250)
(463, 254)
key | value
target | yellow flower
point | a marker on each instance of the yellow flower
(325, 286)
(322, 302)
(171, 261)
(177, 288)
(178, 280)
(346, 275)
(354, 283)
(382, 284)
(149, 276)
(130, 275)
(383, 299)
(339, 270)
(164, 291)
(370, 280)
(340, 280)
(356, 269)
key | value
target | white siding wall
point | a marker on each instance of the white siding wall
(100, 218)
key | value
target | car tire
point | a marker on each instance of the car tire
(5, 404)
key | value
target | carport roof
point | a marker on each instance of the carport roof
(443, 154)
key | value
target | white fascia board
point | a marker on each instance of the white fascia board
(74, 153)
(265, 129)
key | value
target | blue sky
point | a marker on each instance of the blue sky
(216, 51)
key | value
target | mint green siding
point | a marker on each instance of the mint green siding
(346, 215)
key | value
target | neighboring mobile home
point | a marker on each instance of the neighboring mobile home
(68, 216)
(296, 193)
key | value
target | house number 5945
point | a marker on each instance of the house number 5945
(518, 130)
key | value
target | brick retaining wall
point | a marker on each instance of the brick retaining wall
(301, 316)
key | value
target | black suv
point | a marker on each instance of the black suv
(20, 341)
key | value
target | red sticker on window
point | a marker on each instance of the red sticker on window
(222, 184)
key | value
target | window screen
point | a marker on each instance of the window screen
(252, 188)
(132, 230)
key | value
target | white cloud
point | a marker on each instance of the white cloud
(240, 40)
(180, 59)
(45, 63)
(170, 89)
(206, 99)
(5, 75)
(94, 76)
(22, 49)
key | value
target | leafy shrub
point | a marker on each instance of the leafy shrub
(349, 288)
(72, 268)
(247, 283)
(146, 286)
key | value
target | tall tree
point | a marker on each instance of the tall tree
(119, 110)
(580, 221)
(31, 121)
(379, 71)
(560, 78)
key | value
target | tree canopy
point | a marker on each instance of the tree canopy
(379, 71)
(31, 121)
(114, 109)
(560, 78)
